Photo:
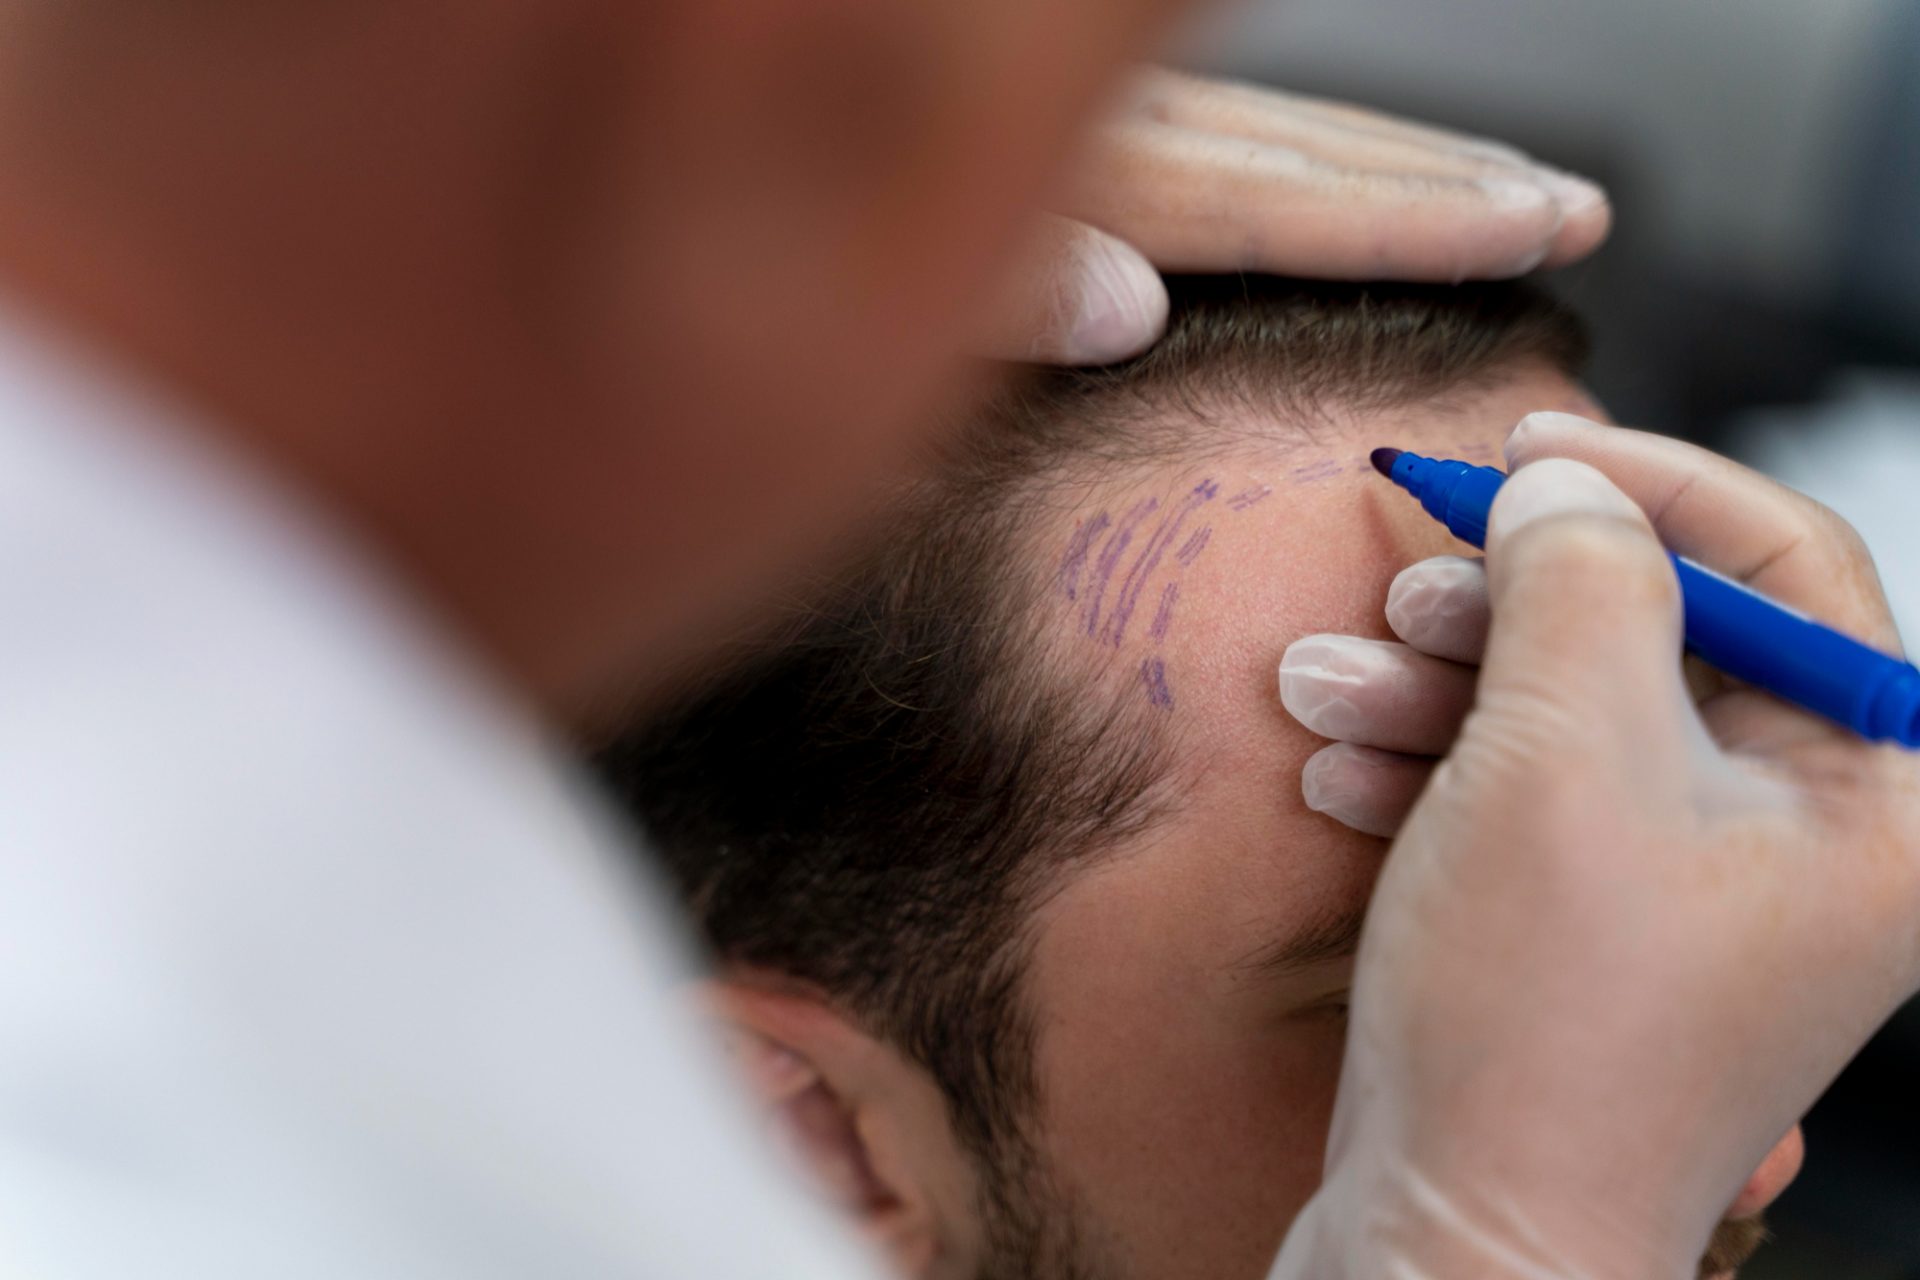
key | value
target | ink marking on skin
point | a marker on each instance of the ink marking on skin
(1149, 560)
(1195, 545)
(1110, 555)
(1251, 498)
(1163, 619)
(1153, 674)
(1478, 449)
(1077, 552)
(1323, 470)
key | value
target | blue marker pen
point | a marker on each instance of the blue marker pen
(1728, 626)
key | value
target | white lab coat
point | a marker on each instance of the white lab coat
(315, 960)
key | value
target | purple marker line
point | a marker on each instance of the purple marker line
(1077, 552)
(1252, 497)
(1318, 471)
(1195, 545)
(1153, 674)
(1164, 617)
(1110, 558)
(1138, 576)
(1479, 449)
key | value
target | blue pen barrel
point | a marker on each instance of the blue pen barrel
(1757, 640)
(1728, 626)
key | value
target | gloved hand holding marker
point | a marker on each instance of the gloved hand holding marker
(1724, 887)
(1402, 703)
(1731, 627)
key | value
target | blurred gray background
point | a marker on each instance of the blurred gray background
(1761, 294)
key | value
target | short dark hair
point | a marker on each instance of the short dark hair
(870, 802)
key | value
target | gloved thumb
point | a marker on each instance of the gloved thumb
(1076, 296)
(1585, 645)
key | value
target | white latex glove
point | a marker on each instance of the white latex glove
(1203, 175)
(1623, 941)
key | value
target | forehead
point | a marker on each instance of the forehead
(1180, 584)
(1186, 1089)
(1186, 578)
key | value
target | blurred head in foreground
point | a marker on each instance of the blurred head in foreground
(481, 280)
(1024, 934)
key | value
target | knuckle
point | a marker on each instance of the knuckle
(1838, 533)
(1815, 533)
(1833, 559)
(1165, 96)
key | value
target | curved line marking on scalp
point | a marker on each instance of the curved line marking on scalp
(1149, 560)
(1163, 619)
(1077, 552)
(1109, 560)
(1195, 545)
(1153, 674)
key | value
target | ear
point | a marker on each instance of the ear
(868, 1126)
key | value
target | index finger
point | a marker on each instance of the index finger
(1730, 518)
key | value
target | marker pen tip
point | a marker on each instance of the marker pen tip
(1383, 460)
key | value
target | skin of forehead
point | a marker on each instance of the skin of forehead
(1302, 536)
(1139, 949)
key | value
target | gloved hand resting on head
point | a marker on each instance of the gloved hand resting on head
(1198, 175)
(1630, 930)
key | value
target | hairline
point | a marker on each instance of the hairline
(1219, 438)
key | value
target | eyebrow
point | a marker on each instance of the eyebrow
(1333, 937)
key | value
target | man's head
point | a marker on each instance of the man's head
(1023, 926)
(584, 312)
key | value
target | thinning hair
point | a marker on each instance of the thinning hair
(870, 802)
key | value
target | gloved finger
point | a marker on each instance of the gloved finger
(1354, 139)
(1729, 518)
(1076, 296)
(1375, 693)
(1194, 200)
(1367, 789)
(1440, 607)
(1262, 112)
(1586, 610)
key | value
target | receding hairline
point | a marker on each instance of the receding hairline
(1245, 350)
(1250, 365)
(1214, 396)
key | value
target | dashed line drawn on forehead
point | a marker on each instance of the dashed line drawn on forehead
(1088, 530)
(1099, 543)
(1325, 469)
